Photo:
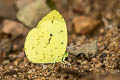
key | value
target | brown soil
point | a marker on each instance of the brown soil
(104, 66)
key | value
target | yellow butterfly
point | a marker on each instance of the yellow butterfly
(48, 41)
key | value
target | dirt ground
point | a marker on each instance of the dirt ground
(87, 21)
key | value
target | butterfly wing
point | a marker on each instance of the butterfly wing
(47, 42)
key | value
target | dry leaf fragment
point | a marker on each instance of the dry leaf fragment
(89, 50)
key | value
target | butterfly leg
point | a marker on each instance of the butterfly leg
(53, 65)
(65, 63)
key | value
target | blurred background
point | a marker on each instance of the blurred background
(87, 21)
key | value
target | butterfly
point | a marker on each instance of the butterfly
(47, 42)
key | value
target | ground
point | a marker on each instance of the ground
(87, 21)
